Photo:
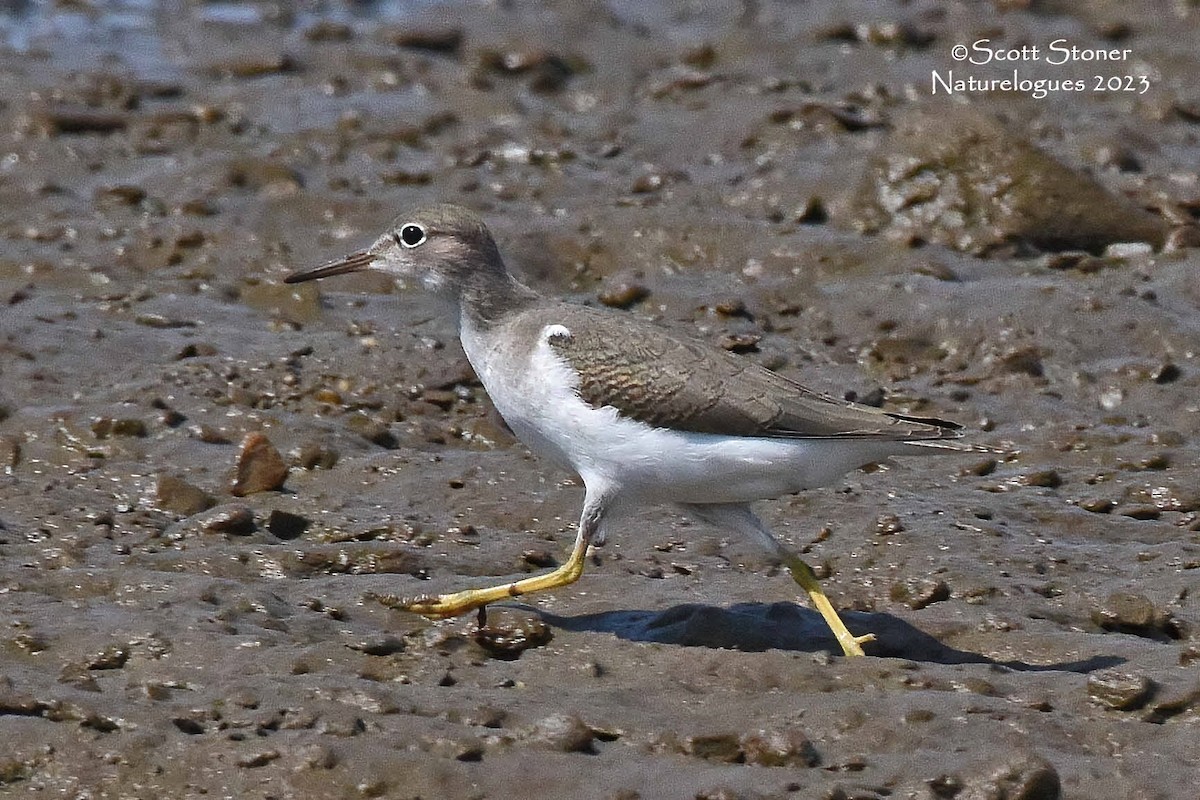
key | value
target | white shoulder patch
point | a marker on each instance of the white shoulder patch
(552, 332)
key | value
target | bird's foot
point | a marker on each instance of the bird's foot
(438, 606)
(852, 645)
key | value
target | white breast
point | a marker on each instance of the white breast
(535, 390)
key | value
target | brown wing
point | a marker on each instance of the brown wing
(651, 376)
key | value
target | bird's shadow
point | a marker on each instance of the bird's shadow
(788, 626)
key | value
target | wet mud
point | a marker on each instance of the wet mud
(208, 479)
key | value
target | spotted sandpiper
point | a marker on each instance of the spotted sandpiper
(641, 415)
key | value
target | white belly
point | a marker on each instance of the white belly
(535, 391)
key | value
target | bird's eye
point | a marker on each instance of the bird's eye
(410, 235)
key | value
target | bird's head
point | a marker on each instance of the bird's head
(445, 247)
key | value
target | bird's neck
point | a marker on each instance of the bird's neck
(490, 296)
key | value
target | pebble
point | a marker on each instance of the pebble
(1025, 777)
(740, 342)
(1127, 612)
(436, 38)
(1046, 478)
(10, 452)
(372, 430)
(1119, 691)
(259, 759)
(623, 295)
(778, 748)
(510, 632)
(259, 467)
(233, 518)
(1098, 505)
(253, 66)
(460, 749)
(112, 657)
(888, 525)
(936, 179)
(920, 593)
(566, 733)
(328, 31)
(107, 427)
(722, 747)
(209, 435)
(380, 645)
(180, 497)
(1128, 250)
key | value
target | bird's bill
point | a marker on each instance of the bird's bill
(355, 262)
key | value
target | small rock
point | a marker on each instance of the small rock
(180, 497)
(1098, 505)
(542, 559)
(723, 747)
(1126, 612)
(315, 456)
(106, 427)
(436, 38)
(121, 194)
(286, 525)
(1166, 372)
(259, 467)
(197, 350)
(253, 66)
(564, 732)
(740, 342)
(1140, 512)
(812, 212)
(888, 525)
(259, 759)
(486, 716)
(233, 519)
(459, 749)
(509, 633)
(381, 645)
(1080, 261)
(329, 31)
(920, 593)
(209, 434)
(718, 793)
(1023, 360)
(1046, 478)
(775, 748)
(372, 430)
(112, 657)
(1027, 777)
(10, 452)
(1128, 250)
(1120, 691)
(623, 295)
(959, 177)
(980, 469)
(648, 182)
(77, 675)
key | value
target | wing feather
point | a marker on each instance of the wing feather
(669, 382)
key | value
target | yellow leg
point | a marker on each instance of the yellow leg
(803, 574)
(739, 517)
(441, 606)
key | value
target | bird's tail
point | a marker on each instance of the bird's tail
(959, 446)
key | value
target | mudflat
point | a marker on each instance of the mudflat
(209, 479)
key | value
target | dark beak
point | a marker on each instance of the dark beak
(355, 262)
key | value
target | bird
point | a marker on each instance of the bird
(642, 415)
